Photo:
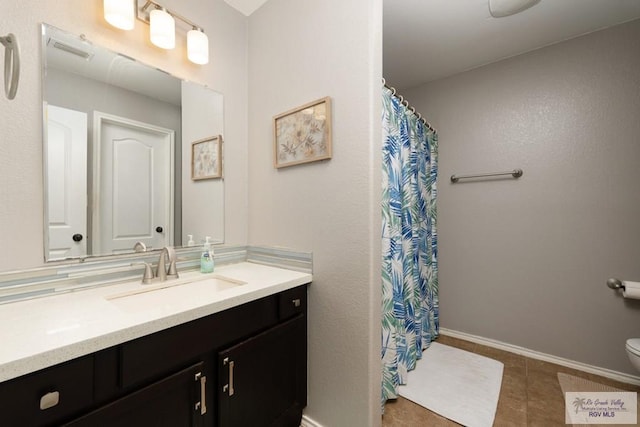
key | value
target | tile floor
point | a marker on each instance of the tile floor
(530, 394)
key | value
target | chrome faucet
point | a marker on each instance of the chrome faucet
(162, 272)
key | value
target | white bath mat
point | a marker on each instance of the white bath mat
(461, 386)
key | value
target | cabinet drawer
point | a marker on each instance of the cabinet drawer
(292, 302)
(49, 396)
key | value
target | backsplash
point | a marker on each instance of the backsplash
(73, 276)
(280, 257)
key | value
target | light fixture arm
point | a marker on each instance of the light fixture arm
(142, 13)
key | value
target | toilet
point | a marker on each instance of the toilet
(633, 351)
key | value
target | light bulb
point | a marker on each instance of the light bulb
(197, 46)
(120, 13)
(162, 29)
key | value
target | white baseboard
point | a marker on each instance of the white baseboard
(308, 422)
(603, 372)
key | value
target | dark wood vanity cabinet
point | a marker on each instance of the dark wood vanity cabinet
(245, 366)
(262, 379)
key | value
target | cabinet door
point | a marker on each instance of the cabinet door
(176, 401)
(262, 381)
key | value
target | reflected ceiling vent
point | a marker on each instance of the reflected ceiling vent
(77, 51)
(501, 8)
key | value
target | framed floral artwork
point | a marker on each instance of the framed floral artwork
(303, 134)
(206, 158)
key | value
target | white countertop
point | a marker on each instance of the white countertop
(43, 332)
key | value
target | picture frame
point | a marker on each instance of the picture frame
(303, 134)
(206, 158)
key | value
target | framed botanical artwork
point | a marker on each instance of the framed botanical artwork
(206, 158)
(303, 134)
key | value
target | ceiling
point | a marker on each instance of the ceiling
(425, 40)
(247, 7)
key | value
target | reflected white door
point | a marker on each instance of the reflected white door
(66, 183)
(134, 185)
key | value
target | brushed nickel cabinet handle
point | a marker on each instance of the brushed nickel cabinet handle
(296, 302)
(202, 403)
(231, 365)
(229, 387)
(49, 400)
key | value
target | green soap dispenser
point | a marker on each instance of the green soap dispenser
(206, 259)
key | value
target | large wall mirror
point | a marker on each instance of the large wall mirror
(119, 151)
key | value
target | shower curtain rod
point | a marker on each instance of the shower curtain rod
(406, 104)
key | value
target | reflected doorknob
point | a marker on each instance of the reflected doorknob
(159, 229)
(77, 237)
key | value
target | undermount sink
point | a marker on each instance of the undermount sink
(172, 292)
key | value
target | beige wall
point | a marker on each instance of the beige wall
(525, 261)
(300, 51)
(21, 207)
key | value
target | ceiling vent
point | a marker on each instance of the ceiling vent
(501, 8)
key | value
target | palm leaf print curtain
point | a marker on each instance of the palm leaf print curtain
(409, 241)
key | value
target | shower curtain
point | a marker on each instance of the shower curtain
(409, 241)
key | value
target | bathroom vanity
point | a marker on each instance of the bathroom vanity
(194, 354)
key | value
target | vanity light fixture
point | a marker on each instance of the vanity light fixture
(162, 26)
(120, 13)
(197, 46)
